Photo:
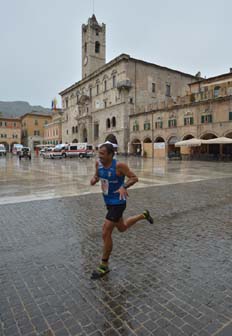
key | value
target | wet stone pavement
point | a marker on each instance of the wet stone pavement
(172, 278)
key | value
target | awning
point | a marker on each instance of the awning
(189, 143)
(220, 140)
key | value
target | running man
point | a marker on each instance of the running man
(114, 188)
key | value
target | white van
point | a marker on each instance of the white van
(17, 149)
(79, 150)
(59, 151)
(2, 150)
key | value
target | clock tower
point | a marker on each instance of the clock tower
(93, 46)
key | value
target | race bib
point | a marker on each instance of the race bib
(105, 186)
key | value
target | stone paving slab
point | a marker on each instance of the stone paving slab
(172, 278)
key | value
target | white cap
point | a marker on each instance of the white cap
(110, 143)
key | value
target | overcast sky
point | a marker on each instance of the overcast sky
(40, 41)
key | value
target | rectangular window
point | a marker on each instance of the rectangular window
(105, 104)
(168, 90)
(97, 89)
(66, 102)
(188, 121)
(90, 92)
(153, 87)
(36, 122)
(172, 123)
(230, 115)
(206, 118)
(159, 124)
(114, 81)
(135, 127)
(96, 131)
(73, 147)
(147, 126)
(0, 123)
(105, 86)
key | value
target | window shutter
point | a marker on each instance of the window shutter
(202, 119)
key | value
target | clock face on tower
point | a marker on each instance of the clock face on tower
(85, 60)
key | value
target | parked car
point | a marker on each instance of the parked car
(2, 150)
(16, 149)
(46, 154)
(25, 153)
(45, 150)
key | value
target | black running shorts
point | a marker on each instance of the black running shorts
(115, 212)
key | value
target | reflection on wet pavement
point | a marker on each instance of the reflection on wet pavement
(45, 179)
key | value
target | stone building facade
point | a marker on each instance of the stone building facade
(204, 112)
(33, 128)
(53, 129)
(108, 94)
(10, 131)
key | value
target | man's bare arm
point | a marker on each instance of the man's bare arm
(125, 170)
(95, 178)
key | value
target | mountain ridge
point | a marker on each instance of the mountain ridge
(19, 108)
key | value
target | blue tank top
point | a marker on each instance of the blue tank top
(110, 182)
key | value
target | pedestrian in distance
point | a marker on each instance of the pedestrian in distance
(111, 174)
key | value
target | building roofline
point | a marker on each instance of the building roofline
(35, 113)
(212, 79)
(163, 67)
(118, 59)
(10, 118)
(96, 72)
(180, 106)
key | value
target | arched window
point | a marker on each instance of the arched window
(76, 129)
(113, 122)
(108, 123)
(97, 47)
(73, 129)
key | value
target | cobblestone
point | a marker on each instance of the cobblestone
(172, 278)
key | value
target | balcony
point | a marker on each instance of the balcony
(124, 85)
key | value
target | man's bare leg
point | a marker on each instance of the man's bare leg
(107, 239)
(123, 225)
